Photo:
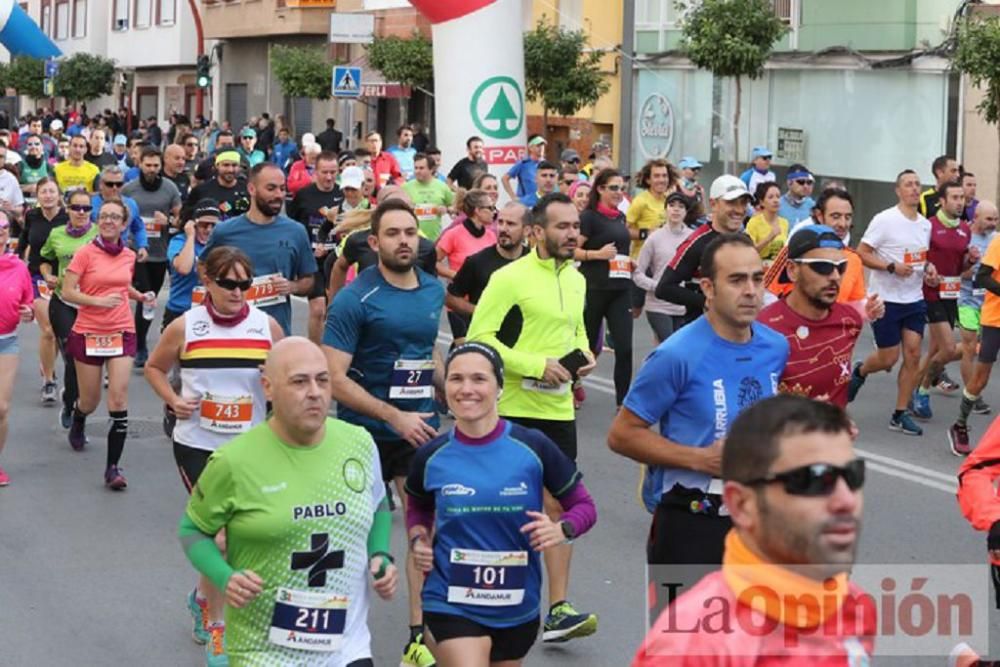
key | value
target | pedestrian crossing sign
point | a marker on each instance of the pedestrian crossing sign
(346, 81)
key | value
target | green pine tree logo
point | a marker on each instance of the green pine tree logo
(502, 112)
(503, 120)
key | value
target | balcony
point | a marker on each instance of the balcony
(232, 19)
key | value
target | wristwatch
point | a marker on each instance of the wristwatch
(568, 531)
(891, 267)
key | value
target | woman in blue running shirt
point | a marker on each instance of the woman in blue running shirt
(478, 490)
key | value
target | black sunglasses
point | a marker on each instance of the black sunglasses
(230, 284)
(824, 267)
(114, 184)
(817, 479)
(803, 181)
(614, 188)
(81, 208)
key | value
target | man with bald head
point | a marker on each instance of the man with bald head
(174, 169)
(301, 499)
(978, 315)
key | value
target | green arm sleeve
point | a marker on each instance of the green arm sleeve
(378, 536)
(490, 312)
(204, 554)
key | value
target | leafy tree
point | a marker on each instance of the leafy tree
(409, 61)
(84, 77)
(978, 57)
(559, 73)
(26, 75)
(302, 71)
(730, 38)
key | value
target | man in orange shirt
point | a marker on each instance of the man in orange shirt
(988, 278)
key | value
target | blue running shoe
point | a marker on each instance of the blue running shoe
(199, 614)
(920, 405)
(564, 623)
(905, 424)
(857, 380)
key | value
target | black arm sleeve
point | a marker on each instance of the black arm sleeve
(984, 278)
(681, 269)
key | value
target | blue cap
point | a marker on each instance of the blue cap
(689, 162)
(120, 140)
(761, 151)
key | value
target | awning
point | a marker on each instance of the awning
(373, 83)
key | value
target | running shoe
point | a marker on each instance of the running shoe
(958, 439)
(114, 479)
(945, 384)
(77, 435)
(390, 497)
(66, 412)
(199, 614)
(417, 654)
(141, 357)
(905, 424)
(857, 380)
(564, 623)
(981, 407)
(215, 649)
(49, 393)
(920, 405)
(4, 477)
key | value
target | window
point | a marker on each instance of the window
(47, 17)
(62, 20)
(167, 12)
(143, 13)
(119, 18)
(571, 14)
(147, 101)
(783, 9)
(79, 18)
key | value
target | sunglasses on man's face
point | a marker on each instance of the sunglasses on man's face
(803, 181)
(81, 208)
(230, 284)
(114, 184)
(817, 479)
(824, 267)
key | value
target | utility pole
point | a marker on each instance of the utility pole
(199, 99)
(625, 123)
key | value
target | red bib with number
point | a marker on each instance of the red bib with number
(105, 345)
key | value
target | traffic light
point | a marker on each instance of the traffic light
(203, 76)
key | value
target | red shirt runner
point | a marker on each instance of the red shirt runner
(947, 253)
(819, 360)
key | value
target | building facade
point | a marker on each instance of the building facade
(854, 91)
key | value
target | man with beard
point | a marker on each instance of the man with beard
(543, 293)
(35, 167)
(821, 332)
(225, 187)
(224, 141)
(278, 247)
(317, 206)
(470, 282)
(793, 484)
(174, 169)
(159, 203)
(692, 387)
(466, 169)
(379, 345)
(403, 151)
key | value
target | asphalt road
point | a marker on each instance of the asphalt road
(90, 577)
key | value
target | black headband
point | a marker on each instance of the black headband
(480, 348)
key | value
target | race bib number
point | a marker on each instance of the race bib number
(412, 379)
(154, 229)
(263, 293)
(487, 578)
(44, 291)
(426, 212)
(915, 258)
(534, 384)
(198, 296)
(950, 287)
(104, 345)
(620, 267)
(226, 414)
(308, 621)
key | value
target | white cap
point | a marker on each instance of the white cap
(56, 124)
(352, 177)
(308, 138)
(728, 188)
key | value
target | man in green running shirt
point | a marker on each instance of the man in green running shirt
(307, 525)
